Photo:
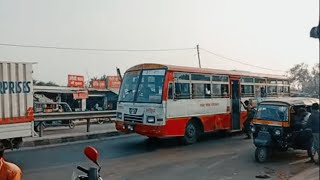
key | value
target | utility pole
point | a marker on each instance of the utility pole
(198, 56)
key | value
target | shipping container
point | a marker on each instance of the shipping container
(16, 102)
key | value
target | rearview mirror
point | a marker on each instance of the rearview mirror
(92, 154)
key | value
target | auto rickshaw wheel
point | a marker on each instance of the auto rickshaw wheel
(261, 154)
(72, 125)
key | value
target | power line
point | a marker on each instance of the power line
(230, 59)
(92, 49)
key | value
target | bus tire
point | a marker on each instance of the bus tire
(191, 133)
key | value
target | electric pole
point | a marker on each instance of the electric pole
(198, 56)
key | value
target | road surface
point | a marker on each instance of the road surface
(133, 157)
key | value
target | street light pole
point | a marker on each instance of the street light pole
(198, 56)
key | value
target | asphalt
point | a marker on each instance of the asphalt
(134, 157)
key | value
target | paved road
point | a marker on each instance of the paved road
(133, 157)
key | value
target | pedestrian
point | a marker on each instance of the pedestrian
(301, 118)
(304, 128)
(8, 171)
(313, 122)
(250, 113)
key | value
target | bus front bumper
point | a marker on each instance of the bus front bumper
(143, 129)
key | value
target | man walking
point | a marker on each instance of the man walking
(314, 124)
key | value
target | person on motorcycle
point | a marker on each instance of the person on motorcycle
(250, 114)
(8, 171)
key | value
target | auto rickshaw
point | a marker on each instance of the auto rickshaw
(274, 126)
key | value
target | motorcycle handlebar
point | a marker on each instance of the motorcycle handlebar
(83, 169)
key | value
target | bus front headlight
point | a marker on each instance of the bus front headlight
(151, 119)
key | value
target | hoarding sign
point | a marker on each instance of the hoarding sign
(114, 82)
(75, 81)
(80, 95)
(99, 84)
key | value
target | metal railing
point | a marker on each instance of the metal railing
(87, 115)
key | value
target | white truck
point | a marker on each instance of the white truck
(16, 102)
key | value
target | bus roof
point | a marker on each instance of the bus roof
(293, 101)
(205, 71)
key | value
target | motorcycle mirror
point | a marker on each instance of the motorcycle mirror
(92, 154)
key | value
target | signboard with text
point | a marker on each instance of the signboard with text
(114, 82)
(99, 84)
(80, 95)
(75, 81)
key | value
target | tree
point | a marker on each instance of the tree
(305, 79)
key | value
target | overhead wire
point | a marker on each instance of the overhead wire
(237, 61)
(134, 50)
(93, 49)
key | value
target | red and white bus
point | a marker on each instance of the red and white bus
(158, 100)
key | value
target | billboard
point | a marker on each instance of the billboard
(75, 81)
(80, 95)
(114, 82)
(99, 84)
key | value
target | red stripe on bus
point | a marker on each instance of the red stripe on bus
(176, 126)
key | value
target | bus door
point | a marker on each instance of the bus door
(235, 103)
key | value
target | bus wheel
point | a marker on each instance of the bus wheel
(191, 133)
(261, 154)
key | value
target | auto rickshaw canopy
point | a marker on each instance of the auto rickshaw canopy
(291, 101)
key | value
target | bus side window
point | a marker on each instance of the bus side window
(182, 91)
(207, 90)
(170, 92)
(224, 90)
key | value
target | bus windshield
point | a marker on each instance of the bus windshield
(272, 112)
(143, 86)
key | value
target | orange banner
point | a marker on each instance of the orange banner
(99, 84)
(80, 95)
(75, 81)
(114, 82)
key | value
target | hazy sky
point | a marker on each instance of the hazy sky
(272, 34)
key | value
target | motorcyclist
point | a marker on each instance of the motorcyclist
(8, 171)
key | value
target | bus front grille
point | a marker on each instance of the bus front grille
(133, 118)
